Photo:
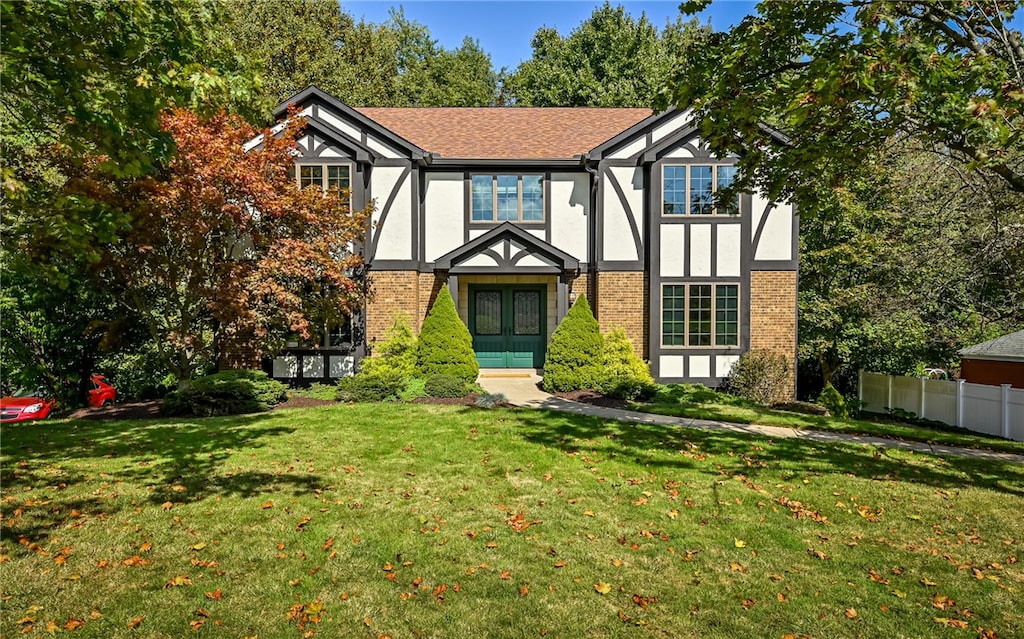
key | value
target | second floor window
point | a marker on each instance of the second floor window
(700, 315)
(690, 189)
(326, 176)
(514, 198)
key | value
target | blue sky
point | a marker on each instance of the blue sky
(504, 29)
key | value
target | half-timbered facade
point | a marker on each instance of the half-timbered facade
(521, 210)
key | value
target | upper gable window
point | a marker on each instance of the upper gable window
(689, 189)
(513, 198)
(326, 176)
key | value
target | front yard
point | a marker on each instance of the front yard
(435, 521)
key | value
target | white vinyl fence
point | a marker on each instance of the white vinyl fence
(993, 410)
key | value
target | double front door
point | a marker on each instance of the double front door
(508, 325)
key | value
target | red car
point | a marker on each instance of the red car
(25, 404)
(102, 393)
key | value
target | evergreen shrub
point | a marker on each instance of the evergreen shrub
(575, 355)
(445, 346)
(446, 386)
(380, 387)
(761, 376)
(225, 393)
(833, 400)
(625, 374)
(397, 353)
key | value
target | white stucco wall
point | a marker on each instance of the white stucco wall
(728, 250)
(700, 250)
(776, 242)
(630, 149)
(570, 209)
(618, 237)
(444, 213)
(673, 250)
(394, 237)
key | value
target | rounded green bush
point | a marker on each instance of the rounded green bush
(575, 354)
(380, 387)
(225, 393)
(446, 386)
(625, 375)
(445, 346)
(761, 376)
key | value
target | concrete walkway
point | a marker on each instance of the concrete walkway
(520, 387)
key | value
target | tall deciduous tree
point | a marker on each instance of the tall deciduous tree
(610, 60)
(395, 63)
(841, 77)
(224, 247)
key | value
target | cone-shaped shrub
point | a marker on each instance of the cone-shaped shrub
(625, 374)
(574, 357)
(397, 353)
(445, 346)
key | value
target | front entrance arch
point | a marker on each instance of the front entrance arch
(508, 323)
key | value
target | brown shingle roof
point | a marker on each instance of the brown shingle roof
(506, 132)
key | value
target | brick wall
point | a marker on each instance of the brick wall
(773, 314)
(622, 301)
(393, 292)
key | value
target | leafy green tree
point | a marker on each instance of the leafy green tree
(395, 63)
(294, 44)
(839, 78)
(445, 346)
(575, 354)
(610, 60)
(912, 261)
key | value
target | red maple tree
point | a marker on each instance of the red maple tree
(224, 247)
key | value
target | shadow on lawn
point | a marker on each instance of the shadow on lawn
(179, 462)
(657, 445)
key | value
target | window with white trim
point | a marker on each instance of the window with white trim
(691, 189)
(326, 176)
(700, 314)
(507, 197)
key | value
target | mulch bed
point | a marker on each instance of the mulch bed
(129, 410)
(594, 398)
(468, 400)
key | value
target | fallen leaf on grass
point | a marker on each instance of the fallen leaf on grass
(817, 554)
(216, 595)
(560, 564)
(523, 591)
(135, 560)
(198, 546)
(146, 547)
(134, 623)
(643, 601)
(739, 543)
(167, 505)
(196, 624)
(302, 523)
(928, 582)
(74, 624)
(269, 504)
(850, 613)
(327, 544)
(736, 566)
(603, 587)
(180, 580)
(951, 623)
(877, 578)
(748, 603)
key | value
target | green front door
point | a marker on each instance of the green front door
(507, 324)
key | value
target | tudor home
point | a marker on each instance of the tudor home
(521, 210)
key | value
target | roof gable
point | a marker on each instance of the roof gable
(527, 244)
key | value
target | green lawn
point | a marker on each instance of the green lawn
(435, 521)
(699, 402)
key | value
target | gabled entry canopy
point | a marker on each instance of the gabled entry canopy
(507, 249)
